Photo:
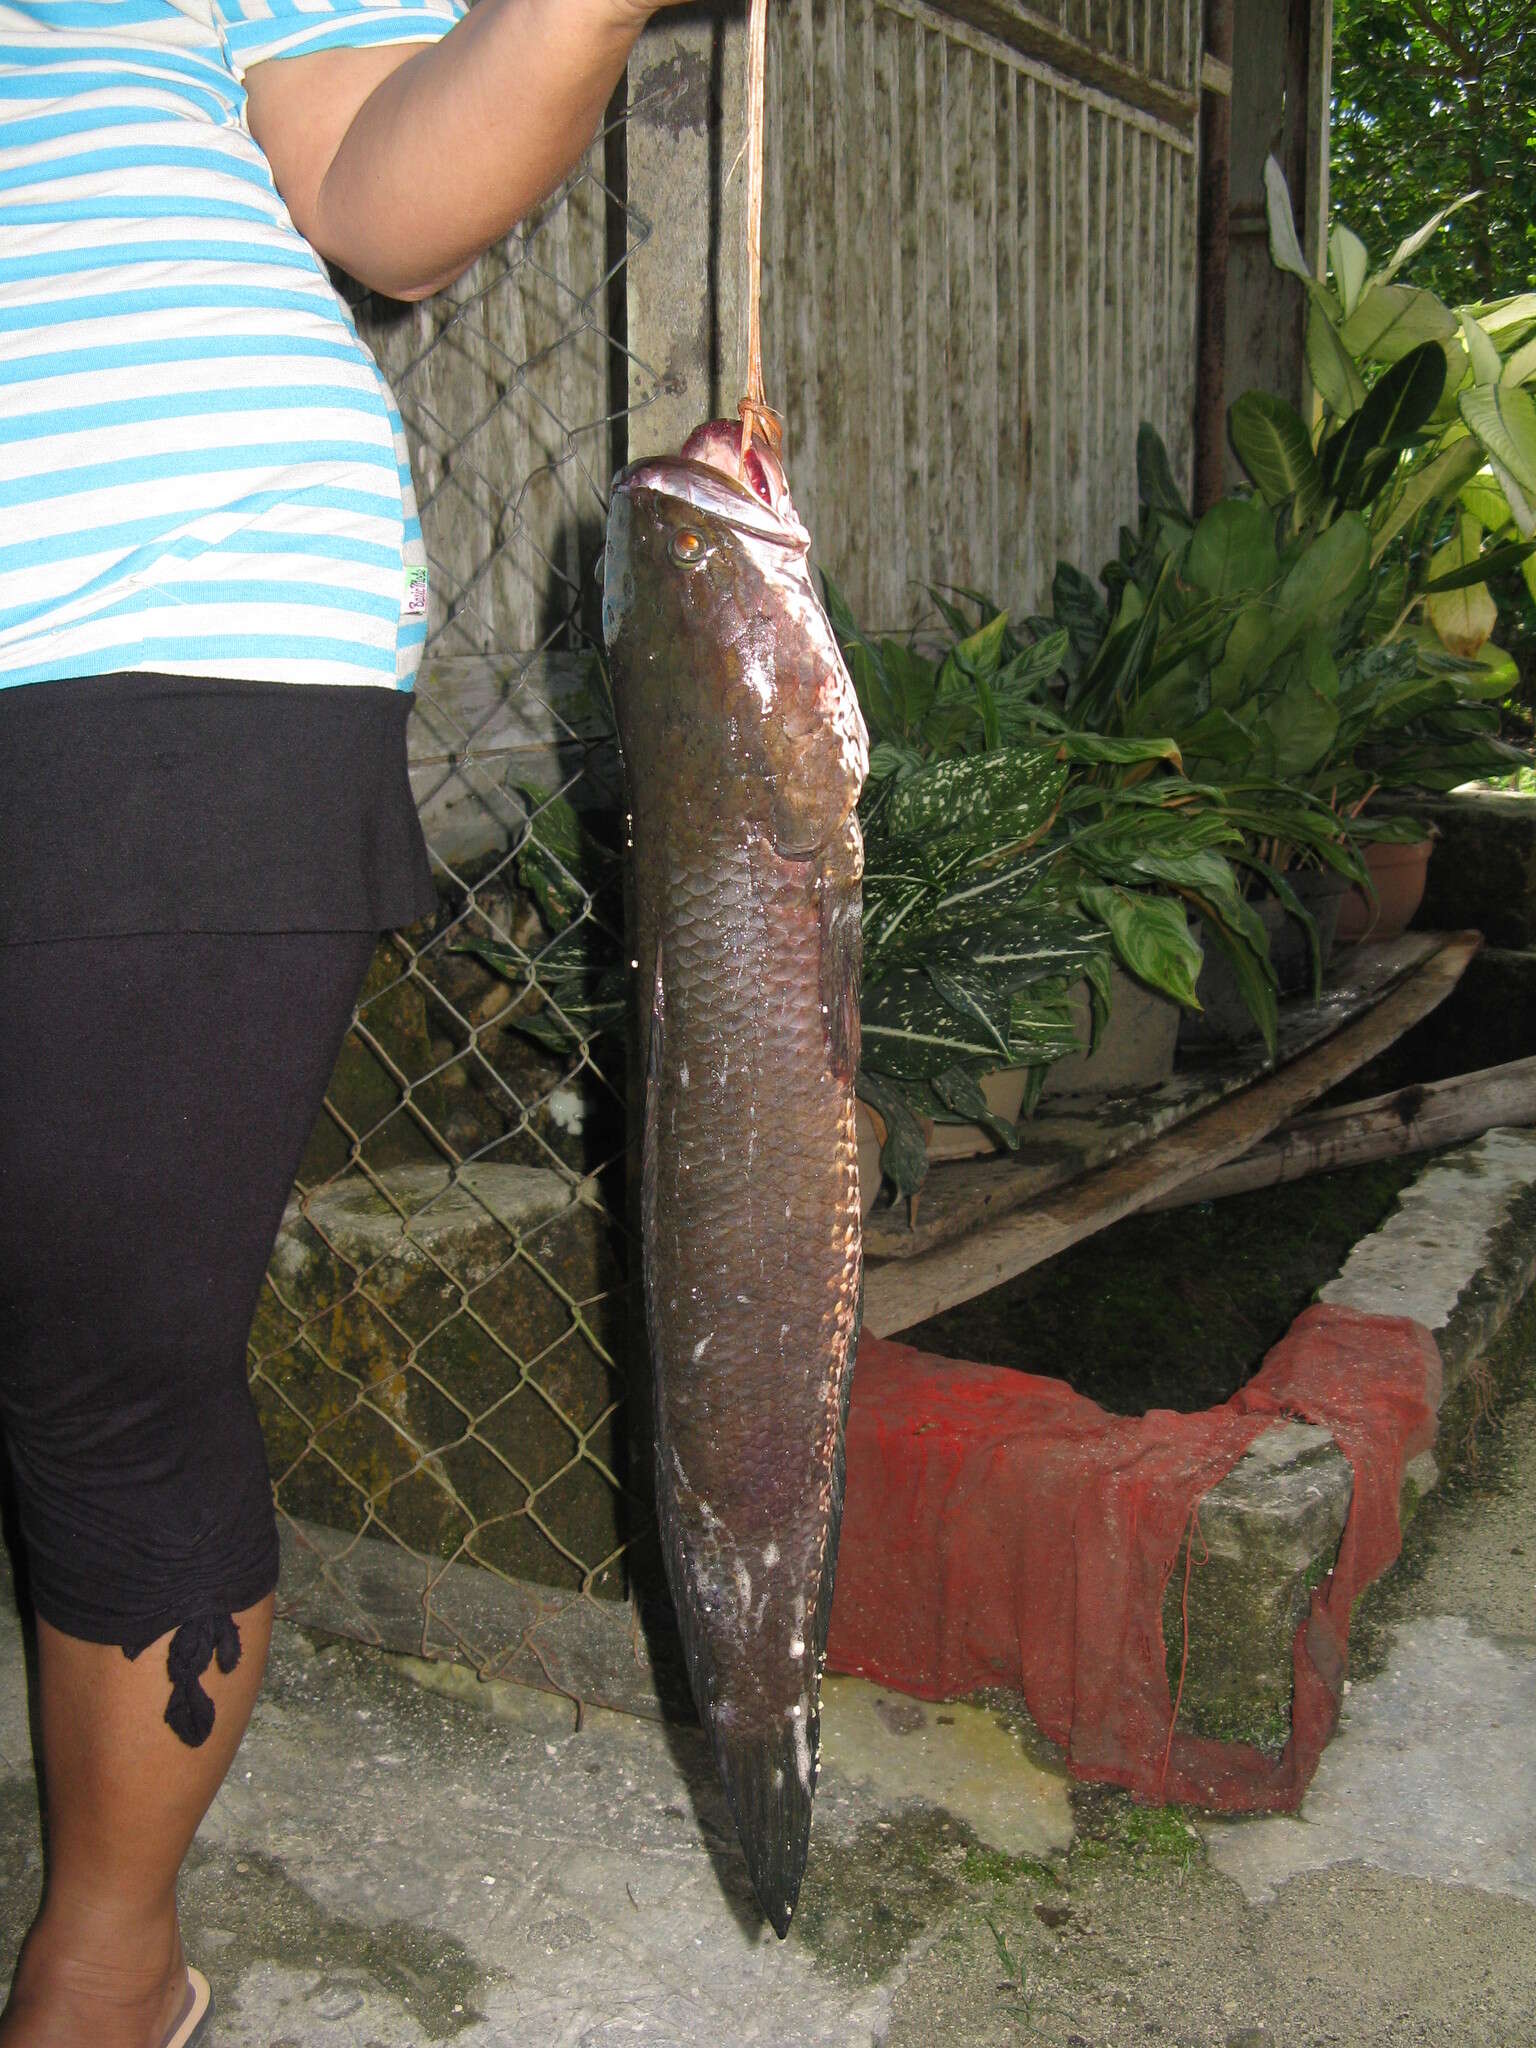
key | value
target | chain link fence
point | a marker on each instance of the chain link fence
(439, 1356)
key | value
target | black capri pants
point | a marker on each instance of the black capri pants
(156, 1093)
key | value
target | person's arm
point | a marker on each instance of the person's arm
(404, 163)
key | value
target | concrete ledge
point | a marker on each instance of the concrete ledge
(599, 1652)
(1457, 1255)
(1268, 1533)
(1459, 1252)
(1483, 872)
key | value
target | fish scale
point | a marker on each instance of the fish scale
(744, 754)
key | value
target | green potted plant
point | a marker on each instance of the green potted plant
(1451, 507)
(1013, 864)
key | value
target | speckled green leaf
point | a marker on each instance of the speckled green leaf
(985, 801)
(903, 1156)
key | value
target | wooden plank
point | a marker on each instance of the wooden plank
(1419, 1118)
(1066, 1142)
(898, 1293)
(1146, 89)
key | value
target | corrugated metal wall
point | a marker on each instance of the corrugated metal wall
(980, 276)
(980, 273)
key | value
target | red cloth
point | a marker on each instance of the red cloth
(1002, 1530)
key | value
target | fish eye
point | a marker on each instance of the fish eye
(689, 548)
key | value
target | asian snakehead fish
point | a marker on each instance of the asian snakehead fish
(744, 753)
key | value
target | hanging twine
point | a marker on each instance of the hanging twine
(757, 416)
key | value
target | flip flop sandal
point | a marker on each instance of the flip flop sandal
(194, 2014)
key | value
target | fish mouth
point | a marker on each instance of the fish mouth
(706, 489)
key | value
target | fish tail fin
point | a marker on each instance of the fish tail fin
(769, 1781)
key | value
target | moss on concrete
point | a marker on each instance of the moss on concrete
(1109, 1823)
(459, 1384)
(868, 1898)
(986, 1866)
(1268, 1535)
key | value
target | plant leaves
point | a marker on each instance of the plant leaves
(1097, 979)
(1437, 479)
(903, 1156)
(1501, 316)
(890, 757)
(1521, 508)
(1013, 953)
(911, 1030)
(1285, 250)
(1410, 245)
(1520, 367)
(960, 1092)
(1299, 715)
(985, 802)
(1503, 417)
(1151, 936)
(1492, 562)
(1331, 364)
(1394, 318)
(1155, 483)
(1079, 607)
(882, 713)
(1293, 906)
(1487, 364)
(1232, 550)
(1115, 671)
(1325, 578)
(1486, 503)
(913, 681)
(1099, 748)
(1254, 976)
(1495, 674)
(981, 652)
(975, 998)
(1275, 449)
(1351, 265)
(561, 864)
(1399, 403)
(1042, 1027)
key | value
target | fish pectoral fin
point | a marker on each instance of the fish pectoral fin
(812, 791)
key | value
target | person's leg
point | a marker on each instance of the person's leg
(154, 1104)
(103, 1962)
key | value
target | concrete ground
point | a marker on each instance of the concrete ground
(402, 1856)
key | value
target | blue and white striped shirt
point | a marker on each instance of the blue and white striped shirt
(202, 471)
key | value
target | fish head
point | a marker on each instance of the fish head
(727, 672)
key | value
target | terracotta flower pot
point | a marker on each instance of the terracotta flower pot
(1399, 873)
(870, 1126)
(1224, 1018)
